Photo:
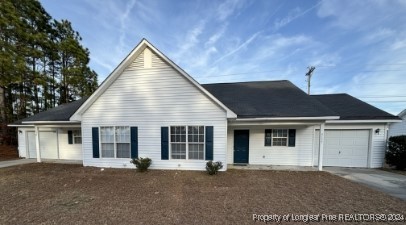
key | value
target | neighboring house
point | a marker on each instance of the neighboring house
(396, 129)
(150, 107)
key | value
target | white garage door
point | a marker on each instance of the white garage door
(48, 144)
(344, 148)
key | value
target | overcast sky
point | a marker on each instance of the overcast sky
(357, 46)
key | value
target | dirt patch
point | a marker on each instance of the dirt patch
(71, 194)
(8, 152)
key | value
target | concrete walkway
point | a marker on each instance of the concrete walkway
(268, 167)
(26, 161)
(390, 183)
(16, 162)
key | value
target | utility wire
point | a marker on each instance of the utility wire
(386, 96)
(256, 72)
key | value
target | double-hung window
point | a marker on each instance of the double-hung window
(115, 142)
(279, 137)
(77, 137)
(187, 142)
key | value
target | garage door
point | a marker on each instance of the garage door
(48, 144)
(344, 148)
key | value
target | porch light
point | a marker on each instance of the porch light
(377, 131)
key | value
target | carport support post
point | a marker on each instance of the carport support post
(37, 144)
(321, 146)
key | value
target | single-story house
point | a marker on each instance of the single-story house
(397, 129)
(149, 107)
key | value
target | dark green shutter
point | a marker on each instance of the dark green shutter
(164, 143)
(95, 139)
(268, 141)
(134, 142)
(209, 143)
(70, 137)
(292, 138)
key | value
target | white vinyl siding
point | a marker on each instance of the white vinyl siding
(31, 146)
(396, 129)
(151, 98)
(259, 154)
(66, 150)
(22, 142)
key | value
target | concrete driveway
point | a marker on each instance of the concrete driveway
(390, 183)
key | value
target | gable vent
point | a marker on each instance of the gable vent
(147, 58)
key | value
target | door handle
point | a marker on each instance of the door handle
(339, 152)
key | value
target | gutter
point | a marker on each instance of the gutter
(288, 118)
(364, 121)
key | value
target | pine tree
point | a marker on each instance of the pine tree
(42, 62)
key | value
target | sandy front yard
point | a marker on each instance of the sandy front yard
(72, 194)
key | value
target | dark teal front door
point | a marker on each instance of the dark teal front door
(241, 146)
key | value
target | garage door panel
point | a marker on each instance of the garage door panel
(331, 134)
(345, 148)
(363, 134)
(331, 141)
(346, 162)
(333, 150)
(347, 152)
(362, 141)
(359, 163)
(348, 133)
(345, 141)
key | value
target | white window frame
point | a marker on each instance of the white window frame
(74, 135)
(114, 142)
(187, 142)
(274, 137)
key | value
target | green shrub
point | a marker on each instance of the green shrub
(142, 164)
(213, 167)
(396, 152)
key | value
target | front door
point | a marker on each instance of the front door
(241, 146)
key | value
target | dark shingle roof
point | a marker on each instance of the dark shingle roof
(350, 108)
(60, 113)
(267, 99)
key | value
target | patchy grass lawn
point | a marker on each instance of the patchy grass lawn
(72, 194)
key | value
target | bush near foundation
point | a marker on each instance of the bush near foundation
(213, 167)
(396, 152)
(142, 164)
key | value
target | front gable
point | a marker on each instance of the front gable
(151, 89)
(147, 69)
